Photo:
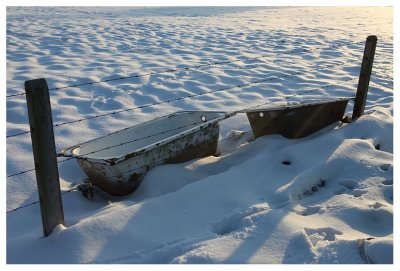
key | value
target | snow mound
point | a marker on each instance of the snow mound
(379, 250)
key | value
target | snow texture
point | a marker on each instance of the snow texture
(319, 199)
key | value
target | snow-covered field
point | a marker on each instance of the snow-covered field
(271, 200)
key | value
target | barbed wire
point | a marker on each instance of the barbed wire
(159, 162)
(195, 123)
(75, 187)
(139, 87)
(213, 63)
(187, 97)
(252, 107)
(197, 66)
(136, 140)
(157, 84)
(32, 169)
(148, 105)
(167, 101)
(174, 129)
(18, 94)
(36, 202)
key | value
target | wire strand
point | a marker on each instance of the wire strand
(186, 97)
(74, 188)
(36, 202)
(32, 169)
(167, 131)
(197, 66)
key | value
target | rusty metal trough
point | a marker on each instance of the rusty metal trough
(116, 163)
(296, 121)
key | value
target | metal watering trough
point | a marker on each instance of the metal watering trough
(117, 162)
(296, 121)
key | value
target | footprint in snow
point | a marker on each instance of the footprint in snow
(238, 220)
(322, 234)
(311, 210)
(349, 187)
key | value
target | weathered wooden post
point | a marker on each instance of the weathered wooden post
(44, 154)
(365, 75)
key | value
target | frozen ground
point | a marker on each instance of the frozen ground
(271, 200)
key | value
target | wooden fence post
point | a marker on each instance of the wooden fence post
(44, 154)
(365, 75)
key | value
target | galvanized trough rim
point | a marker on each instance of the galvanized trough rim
(68, 152)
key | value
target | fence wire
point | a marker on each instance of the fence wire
(185, 126)
(322, 67)
(241, 111)
(195, 67)
(75, 187)
(174, 70)
(32, 169)
(36, 202)
(181, 98)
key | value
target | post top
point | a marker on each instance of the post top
(36, 86)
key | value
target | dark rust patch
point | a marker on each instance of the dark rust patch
(133, 154)
(117, 186)
(192, 151)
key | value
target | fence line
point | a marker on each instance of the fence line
(182, 97)
(18, 94)
(32, 169)
(160, 161)
(164, 132)
(252, 107)
(176, 99)
(36, 202)
(186, 97)
(198, 66)
(192, 124)
(74, 188)
(138, 139)
(163, 160)
(168, 80)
